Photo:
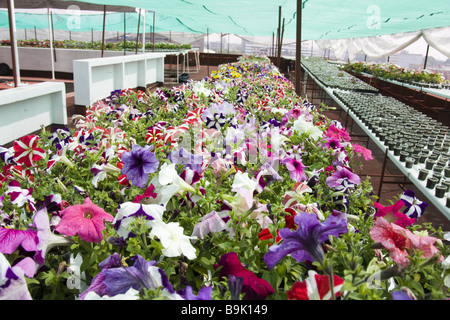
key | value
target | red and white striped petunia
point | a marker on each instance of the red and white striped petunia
(316, 287)
(27, 152)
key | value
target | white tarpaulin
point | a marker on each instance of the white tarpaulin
(386, 45)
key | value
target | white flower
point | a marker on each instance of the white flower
(242, 180)
(302, 126)
(131, 294)
(212, 222)
(168, 183)
(129, 211)
(173, 240)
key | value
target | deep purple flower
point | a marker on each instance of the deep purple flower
(342, 179)
(305, 243)
(115, 279)
(184, 157)
(138, 164)
(203, 294)
(414, 207)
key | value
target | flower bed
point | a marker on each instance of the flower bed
(228, 188)
(389, 71)
(97, 45)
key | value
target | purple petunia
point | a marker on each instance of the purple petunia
(189, 160)
(414, 207)
(116, 279)
(342, 179)
(305, 243)
(138, 164)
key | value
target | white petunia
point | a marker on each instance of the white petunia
(173, 240)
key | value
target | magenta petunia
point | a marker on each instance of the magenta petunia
(86, 220)
(296, 169)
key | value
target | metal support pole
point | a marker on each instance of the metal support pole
(426, 57)
(51, 42)
(153, 31)
(137, 34)
(124, 31)
(103, 32)
(298, 50)
(14, 51)
(383, 169)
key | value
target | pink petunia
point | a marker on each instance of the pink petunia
(337, 133)
(366, 153)
(296, 169)
(392, 214)
(27, 152)
(401, 242)
(86, 220)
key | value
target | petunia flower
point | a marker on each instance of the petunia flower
(212, 222)
(296, 169)
(401, 242)
(86, 220)
(138, 164)
(173, 240)
(335, 131)
(129, 211)
(366, 153)
(189, 160)
(305, 243)
(115, 279)
(315, 287)
(253, 287)
(13, 285)
(391, 214)
(301, 125)
(342, 179)
(414, 207)
(27, 152)
(203, 294)
(20, 196)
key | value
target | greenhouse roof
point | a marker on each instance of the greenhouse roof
(331, 19)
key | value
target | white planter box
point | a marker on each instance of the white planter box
(24, 109)
(39, 59)
(94, 79)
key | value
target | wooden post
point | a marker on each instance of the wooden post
(298, 50)
(103, 32)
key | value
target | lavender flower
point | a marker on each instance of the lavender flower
(342, 179)
(305, 243)
(184, 157)
(138, 164)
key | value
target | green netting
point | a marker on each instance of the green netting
(115, 21)
(330, 19)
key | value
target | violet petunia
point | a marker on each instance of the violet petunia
(414, 207)
(138, 164)
(189, 160)
(116, 279)
(305, 243)
(342, 179)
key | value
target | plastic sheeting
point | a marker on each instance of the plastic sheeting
(386, 45)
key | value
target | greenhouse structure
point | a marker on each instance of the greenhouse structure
(241, 153)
